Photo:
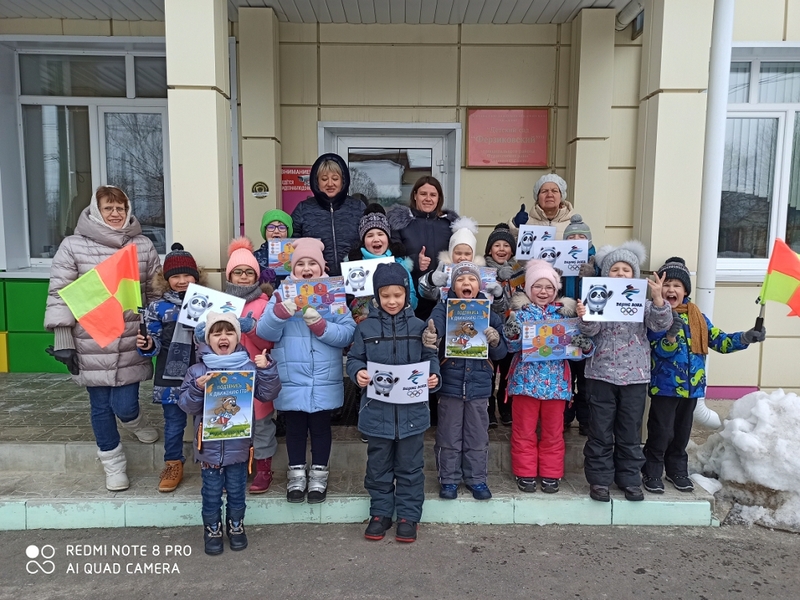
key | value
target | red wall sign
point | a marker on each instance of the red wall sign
(294, 187)
(507, 137)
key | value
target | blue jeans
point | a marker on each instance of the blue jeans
(234, 479)
(108, 402)
(174, 424)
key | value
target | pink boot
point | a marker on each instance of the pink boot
(263, 478)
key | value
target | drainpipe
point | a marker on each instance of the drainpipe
(628, 14)
(711, 198)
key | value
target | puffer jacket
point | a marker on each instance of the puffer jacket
(543, 380)
(536, 216)
(334, 221)
(227, 452)
(467, 378)
(119, 363)
(390, 340)
(622, 351)
(310, 367)
(675, 370)
(416, 229)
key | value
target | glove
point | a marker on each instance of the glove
(569, 308)
(248, 323)
(505, 273)
(492, 336)
(68, 356)
(311, 316)
(200, 333)
(439, 277)
(511, 328)
(429, 337)
(286, 309)
(587, 270)
(584, 342)
(751, 336)
(521, 218)
(676, 327)
(495, 289)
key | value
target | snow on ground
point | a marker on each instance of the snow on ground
(756, 456)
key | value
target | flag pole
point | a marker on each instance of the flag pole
(759, 326)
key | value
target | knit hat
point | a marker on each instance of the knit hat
(675, 268)
(577, 226)
(240, 252)
(464, 268)
(392, 273)
(308, 248)
(464, 231)
(276, 215)
(550, 178)
(540, 269)
(374, 218)
(501, 233)
(179, 261)
(632, 252)
(215, 317)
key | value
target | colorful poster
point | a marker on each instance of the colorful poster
(358, 275)
(566, 255)
(550, 340)
(398, 384)
(199, 300)
(610, 299)
(280, 255)
(466, 322)
(528, 234)
(294, 186)
(325, 294)
(488, 275)
(507, 137)
(228, 405)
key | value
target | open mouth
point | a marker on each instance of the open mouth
(308, 275)
(375, 248)
(672, 298)
(467, 293)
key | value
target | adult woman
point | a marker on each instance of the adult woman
(331, 215)
(111, 374)
(424, 229)
(551, 206)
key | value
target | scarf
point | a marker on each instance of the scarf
(179, 353)
(235, 361)
(367, 254)
(698, 330)
(248, 292)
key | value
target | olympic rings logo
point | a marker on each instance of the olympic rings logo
(413, 393)
(47, 566)
(629, 311)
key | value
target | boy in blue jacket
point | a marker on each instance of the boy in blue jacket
(392, 335)
(462, 435)
(678, 378)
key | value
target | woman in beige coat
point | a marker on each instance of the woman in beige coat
(111, 374)
(551, 208)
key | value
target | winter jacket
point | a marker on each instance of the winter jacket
(119, 363)
(334, 221)
(255, 345)
(500, 305)
(359, 307)
(543, 380)
(467, 378)
(427, 289)
(390, 340)
(536, 216)
(675, 370)
(227, 452)
(268, 274)
(310, 367)
(622, 352)
(416, 229)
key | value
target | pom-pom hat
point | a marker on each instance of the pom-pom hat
(501, 233)
(578, 227)
(631, 252)
(240, 254)
(675, 268)
(464, 232)
(374, 218)
(179, 261)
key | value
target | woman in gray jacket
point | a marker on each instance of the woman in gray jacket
(111, 374)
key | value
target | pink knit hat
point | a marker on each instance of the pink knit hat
(240, 253)
(308, 248)
(540, 269)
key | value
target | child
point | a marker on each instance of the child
(375, 234)
(462, 436)
(275, 225)
(242, 272)
(678, 378)
(224, 464)
(616, 381)
(392, 335)
(500, 255)
(309, 355)
(579, 407)
(172, 345)
(540, 389)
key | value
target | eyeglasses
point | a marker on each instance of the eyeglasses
(240, 272)
(543, 288)
(280, 228)
(112, 209)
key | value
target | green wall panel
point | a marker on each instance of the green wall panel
(3, 306)
(25, 302)
(26, 354)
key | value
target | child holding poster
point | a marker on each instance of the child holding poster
(275, 225)
(392, 335)
(540, 389)
(309, 355)
(616, 380)
(462, 434)
(224, 464)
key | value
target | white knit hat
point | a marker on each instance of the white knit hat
(464, 231)
(550, 178)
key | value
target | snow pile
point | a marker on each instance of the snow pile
(757, 457)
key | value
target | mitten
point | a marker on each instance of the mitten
(314, 320)
(569, 308)
(505, 272)
(588, 269)
(247, 323)
(495, 289)
(511, 328)
(521, 218)
(286, 309)
(675, 328)
(429, 337)
(200, 333)
(752, 336)
(492, 336)
(584, 342)
(439, 277)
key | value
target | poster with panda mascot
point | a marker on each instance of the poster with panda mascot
(564, 255)
(528, 235)
(612, 299)
(199, 300)
(398, 384)
(358, 275)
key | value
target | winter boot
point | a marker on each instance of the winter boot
(236, 534)
(212, 537)
(263, 478)
(171, 476)
(114, 464)
(406, 531)
(376, 530)
(317, 484)
(296, 483)
(139, 427)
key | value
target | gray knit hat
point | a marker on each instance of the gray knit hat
(675, 268)
(465, 268)
(577, 226)
(550, 178)
(632, 252)
(374, 218)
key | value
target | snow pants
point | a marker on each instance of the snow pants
(531, 457)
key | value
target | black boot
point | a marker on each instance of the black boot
(236, 535)
(212, 537)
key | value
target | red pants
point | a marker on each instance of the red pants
(531, 457)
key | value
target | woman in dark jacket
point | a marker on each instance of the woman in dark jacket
(424, 229)
(330, 215)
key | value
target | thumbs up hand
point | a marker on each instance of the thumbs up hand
(424, 261)
(262, 360)
(521, 218)
(429, 337)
